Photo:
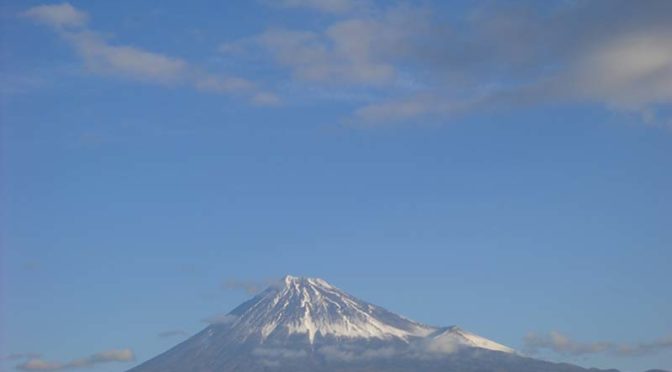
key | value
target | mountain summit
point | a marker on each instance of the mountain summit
(318, 310)
(306, 324)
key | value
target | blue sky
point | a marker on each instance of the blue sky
(503, 166)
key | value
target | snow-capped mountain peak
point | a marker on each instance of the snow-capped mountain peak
(306, 324)
(316, 309)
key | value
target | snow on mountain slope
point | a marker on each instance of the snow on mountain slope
(454, 337)
(313, 307)
(316, 309)
(308, 325)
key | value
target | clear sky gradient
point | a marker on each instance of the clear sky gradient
(502, 166)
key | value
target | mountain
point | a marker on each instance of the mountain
(308, 325)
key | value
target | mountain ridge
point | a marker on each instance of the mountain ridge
(312, 306)
(308, 325)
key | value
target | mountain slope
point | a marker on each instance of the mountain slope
(314, 308)
(306, 324)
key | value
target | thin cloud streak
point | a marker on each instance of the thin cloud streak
(132, 63)
(561, 344)
(38, 364)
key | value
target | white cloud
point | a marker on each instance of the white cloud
(40, 365)
(363, 50)
(104, 58)
(631, 71)
(58, 15)
(442, 345)
(416, 63)
(561, 344)
(37, 364)
(101, 57)
(617, 54)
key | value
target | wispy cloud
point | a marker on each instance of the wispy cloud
(561, 344)
(102, 57)
(38, 364)
(126, 61)
(359, 50)
(411, 62)
(418, 64)
(99, 55)
(58, 15)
